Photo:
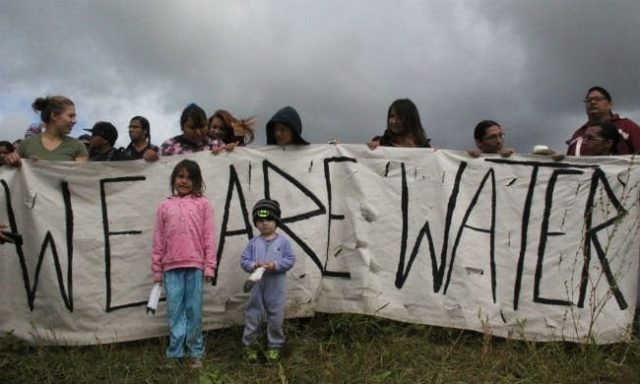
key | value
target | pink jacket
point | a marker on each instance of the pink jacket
(184, 236)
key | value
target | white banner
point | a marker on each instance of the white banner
(520, 247)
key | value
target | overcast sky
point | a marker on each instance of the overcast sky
(526, 64)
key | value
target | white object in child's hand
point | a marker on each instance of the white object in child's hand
(154, 298)
(254, 277)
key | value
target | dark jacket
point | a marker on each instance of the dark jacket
(387, 141)
(114, 154)
(287, 116)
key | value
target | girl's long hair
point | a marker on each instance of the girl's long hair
(146, 127)
(193, 169)
(407, 111)
(232, 125)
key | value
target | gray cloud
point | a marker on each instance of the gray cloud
(524, 64)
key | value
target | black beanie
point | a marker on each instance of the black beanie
(266, 209)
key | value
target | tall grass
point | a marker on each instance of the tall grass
(333, 349)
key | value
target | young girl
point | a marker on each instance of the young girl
(183, 251)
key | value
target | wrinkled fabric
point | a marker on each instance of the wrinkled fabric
(183, 289)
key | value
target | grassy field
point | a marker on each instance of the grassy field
(333, 349)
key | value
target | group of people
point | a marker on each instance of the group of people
(183, 250)
(604, 133)
(221, 131)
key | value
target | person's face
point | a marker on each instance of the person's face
(3, 150)
(597, 105)
(216, 128)
(183, 184)
(266, 227)
(593, 144)
(395, 124)
(64, 121)
(98, 142)
(283, 134)
(136, 132)
(492, 141)
(192, 133)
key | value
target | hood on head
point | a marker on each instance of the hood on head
(288, 116)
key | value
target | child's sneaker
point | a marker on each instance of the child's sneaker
(272, 354)
(251, 355)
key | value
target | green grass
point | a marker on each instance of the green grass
(333, 349)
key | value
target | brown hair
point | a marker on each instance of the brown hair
(232, 125)
(49, 105)
(407, 111)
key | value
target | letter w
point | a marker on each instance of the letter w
(67, 294)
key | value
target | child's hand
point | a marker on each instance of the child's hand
(158, 281)
(208, 279)
(270, 266)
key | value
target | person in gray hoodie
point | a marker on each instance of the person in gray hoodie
(285, 128)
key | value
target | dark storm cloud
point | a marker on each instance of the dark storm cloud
(524, 64)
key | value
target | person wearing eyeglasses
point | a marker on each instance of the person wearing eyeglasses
(489, 140)
(601, 139)
(598, 104)
(140, 146)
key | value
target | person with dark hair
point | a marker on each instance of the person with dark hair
(601, 139)
(598, 105)
(271, 255)
(101, 145)
(226, 132)
(404, 128)
(140, 146)
(285, 128)
(58, 113)
(193, 123)
(489, 139)
(5, 149)
(85, 139)
(183, 256)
